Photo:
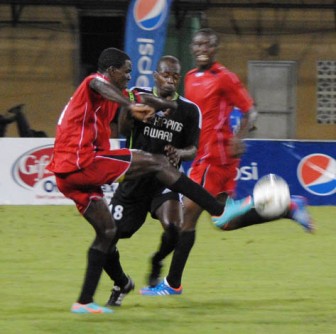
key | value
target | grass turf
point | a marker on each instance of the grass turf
(270, 278)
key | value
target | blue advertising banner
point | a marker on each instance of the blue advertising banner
(145, 37)
(309, 167)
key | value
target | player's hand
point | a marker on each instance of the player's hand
(236, 147)
(142, 112)
(167, 112)
(173, 155)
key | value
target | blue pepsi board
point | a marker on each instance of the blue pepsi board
(145, 36)
(309, 167)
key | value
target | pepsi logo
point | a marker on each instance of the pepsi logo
(317, 174)
(149, 14)
(30, 168)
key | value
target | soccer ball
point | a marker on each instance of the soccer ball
(271, 196)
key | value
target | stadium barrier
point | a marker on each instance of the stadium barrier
(309, 167)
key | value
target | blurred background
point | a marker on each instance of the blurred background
(284, 51)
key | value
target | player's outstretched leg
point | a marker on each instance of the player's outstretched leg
(299, 213)
(233, 209)
(119, 293)
(162, 289)
(89, 308)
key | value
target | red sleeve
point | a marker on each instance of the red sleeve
(235, 92)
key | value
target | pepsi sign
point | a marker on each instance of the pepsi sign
(309, 167)
(317, 174)
(150, 14)
(145, 37)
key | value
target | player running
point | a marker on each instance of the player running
(83, 161)
(216, 90)
(174, 133)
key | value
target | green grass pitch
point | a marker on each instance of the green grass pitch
(270, 278)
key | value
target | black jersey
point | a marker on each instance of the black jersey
(133, 199)
(181, 128)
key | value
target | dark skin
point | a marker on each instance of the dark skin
(204, 48)
(143, 163)
(166, 80)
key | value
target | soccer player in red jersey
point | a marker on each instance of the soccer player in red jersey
(216, 90)
(83, 161)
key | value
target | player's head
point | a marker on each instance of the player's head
(117, 65)
(167, 76)
(204, 46)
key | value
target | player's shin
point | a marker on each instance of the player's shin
(199, 195)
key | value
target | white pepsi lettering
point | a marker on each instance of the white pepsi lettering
(246, 173)
(144, 65)
(146, 50)
(145, 40)
(142, 81)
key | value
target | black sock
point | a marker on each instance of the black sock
(94, 269)
(114, 269)
(196, 193)
(180, 257)
(169, 239)
(251, 217)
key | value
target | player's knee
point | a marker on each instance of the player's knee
(189, 225)
(110, 233)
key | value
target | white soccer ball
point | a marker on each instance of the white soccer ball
(271, 196)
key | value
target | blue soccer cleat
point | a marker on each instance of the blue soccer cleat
(232, 210)
(299, 213)
(162, 289)
(89, 308)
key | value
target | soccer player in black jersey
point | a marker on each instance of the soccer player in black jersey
(174, 133)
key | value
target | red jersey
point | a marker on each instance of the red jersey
(216, 91)
(83, 128)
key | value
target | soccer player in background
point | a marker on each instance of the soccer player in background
(83, 161)
(216, 90)
(174, 133)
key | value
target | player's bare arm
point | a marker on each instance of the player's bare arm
(113, 93)
(158, 103)
(109, 92)
(125, 122)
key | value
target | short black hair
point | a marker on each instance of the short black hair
(112, 57)
(208, 32)
(170, 59)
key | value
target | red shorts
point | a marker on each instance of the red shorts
(216, 179)
(84, 185)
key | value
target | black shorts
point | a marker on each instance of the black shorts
(133, 200)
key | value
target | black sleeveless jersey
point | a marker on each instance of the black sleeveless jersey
(180, 128)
